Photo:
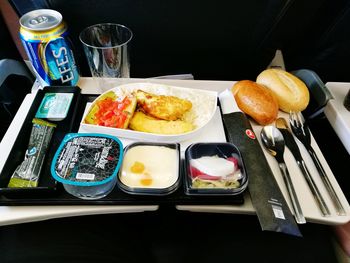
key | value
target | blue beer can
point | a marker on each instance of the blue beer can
(44, 36)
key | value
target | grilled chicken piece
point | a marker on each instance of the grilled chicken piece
(162, 107)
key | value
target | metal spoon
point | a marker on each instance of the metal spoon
(273, 141)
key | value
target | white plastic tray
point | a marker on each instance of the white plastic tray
(33, 213)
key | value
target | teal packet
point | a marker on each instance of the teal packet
(54, 106)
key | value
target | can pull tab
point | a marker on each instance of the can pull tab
(39, 20)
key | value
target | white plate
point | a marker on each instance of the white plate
(204, 105)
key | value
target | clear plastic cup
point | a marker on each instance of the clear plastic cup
(106, 48)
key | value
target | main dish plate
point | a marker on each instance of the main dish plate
(204, 105)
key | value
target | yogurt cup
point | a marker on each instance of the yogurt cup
(150, 169)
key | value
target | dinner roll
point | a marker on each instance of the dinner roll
(256, 101)
(291, 93)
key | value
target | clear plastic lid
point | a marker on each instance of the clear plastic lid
(150, 168)
(87, 159)
(214, 169)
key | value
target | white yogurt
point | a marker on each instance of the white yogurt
(150, 166)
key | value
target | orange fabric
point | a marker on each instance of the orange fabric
(343, 236)
(12, 22)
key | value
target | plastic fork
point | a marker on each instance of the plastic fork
(302, 132)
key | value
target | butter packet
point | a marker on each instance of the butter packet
(54, 106)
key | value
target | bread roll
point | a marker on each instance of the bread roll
(256, 101)
(291, 93)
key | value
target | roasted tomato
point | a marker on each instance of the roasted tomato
(111, 112)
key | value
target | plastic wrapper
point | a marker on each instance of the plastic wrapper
(28, 172)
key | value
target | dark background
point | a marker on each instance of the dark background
(223, 40)
(213, 40)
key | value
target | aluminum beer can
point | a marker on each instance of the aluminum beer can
(44, 36)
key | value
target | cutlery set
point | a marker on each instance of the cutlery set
(275, 139)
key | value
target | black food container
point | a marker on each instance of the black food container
(214, 169)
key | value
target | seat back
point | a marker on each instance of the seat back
(223, 40)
